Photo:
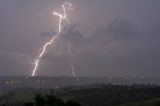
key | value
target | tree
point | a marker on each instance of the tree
(29, 104)
(39, 100)
(50, 100)
(73, 103)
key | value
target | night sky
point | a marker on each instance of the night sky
(108, 38)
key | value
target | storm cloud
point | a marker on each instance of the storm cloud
(112, 38)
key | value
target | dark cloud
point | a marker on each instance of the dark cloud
(106, 52)
(125, 46)
(50, 34)
(126, 50)
(58, 57)
(122, 30)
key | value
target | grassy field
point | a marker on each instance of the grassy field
(108, 95)
(154, 102)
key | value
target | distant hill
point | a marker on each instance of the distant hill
(113, 95)
(12, 82)
(153, 102)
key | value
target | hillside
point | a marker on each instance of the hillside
(91, 95)
(153, 102)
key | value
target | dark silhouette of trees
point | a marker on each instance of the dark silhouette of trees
(39, 100)
(29, 104)
(73, 103)
(50, 100)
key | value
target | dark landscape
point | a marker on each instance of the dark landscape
(20, 91)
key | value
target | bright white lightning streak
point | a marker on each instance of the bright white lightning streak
(73, 71)
(61, 18)
(71, 65)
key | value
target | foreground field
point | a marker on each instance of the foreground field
(153, 102)
(91, 95)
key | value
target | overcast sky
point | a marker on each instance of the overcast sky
(108, 38)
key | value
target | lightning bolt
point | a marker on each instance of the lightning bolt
(71, 64)
(73, 70)
(62, 17)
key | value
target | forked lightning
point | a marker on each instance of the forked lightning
(62, 17)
